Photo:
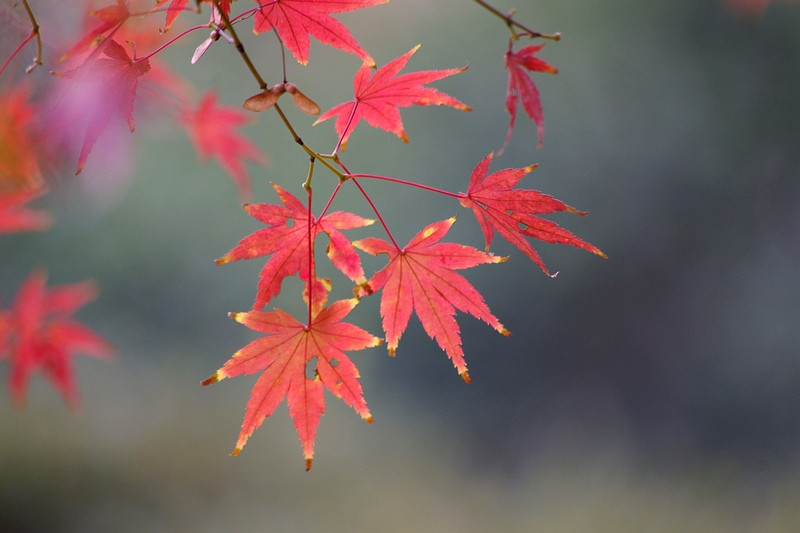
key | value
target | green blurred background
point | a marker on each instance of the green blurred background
(656, 391)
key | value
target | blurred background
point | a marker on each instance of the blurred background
(658, 390)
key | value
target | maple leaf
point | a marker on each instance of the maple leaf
(38, 334)
(105, 87)
(521, 87)
(284, 354)
(420, 277)
(512, 212)
(110, 17)
(19, 167)
(286, 239)
(378, 98)
(13, 217)
(295, 20)
(213, 130)
(176, 7)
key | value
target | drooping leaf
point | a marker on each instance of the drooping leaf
(284, 354)
(420, 278)
(38, 335)
(106, 86)
(295, 20)
(213, 129)
(379, 97)
(14, 217)
(521, 87)
(513, 212)
(286, 239)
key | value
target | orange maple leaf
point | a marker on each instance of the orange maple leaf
(512, 212)
(284, 355)
(420, 278)
(379, 97)
(19, 147)
(38, 335)
(286, 239)
(295, 20)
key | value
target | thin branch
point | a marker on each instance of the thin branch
(511, 23)
(33, 34)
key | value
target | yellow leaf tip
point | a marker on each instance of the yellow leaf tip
(213, 379)
(236, 451)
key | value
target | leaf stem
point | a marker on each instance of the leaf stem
(346, 127)
(407, 182)
(309, 220)
(375, 210)
(171, 41)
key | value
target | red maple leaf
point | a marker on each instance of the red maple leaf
(521, 86)
(13, 217)
(378, 98)
(102, 88)
(512, 212)
(38, 335)
(420, 277)
(286, 239)
(110, 17)
(284, 355)
(295, 20)
(213, 130)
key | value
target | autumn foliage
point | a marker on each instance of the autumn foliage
(52, 118)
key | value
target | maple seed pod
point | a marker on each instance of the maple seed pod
(265, 99)
(303, 102)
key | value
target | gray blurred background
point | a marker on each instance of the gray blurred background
(658, 390)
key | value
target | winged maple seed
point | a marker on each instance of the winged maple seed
(286, 239)
(295, 20)
(377, 99)
(420, 278)
(38, 335)
(283, 356)
(266, 99)
(512, 212)
(521, 87)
